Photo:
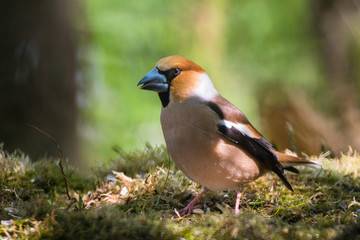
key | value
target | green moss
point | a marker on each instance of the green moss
(324, 204)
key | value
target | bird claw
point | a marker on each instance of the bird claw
(191, 206)
(186, 211)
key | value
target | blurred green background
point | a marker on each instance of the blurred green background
(241, 44)
(291, 66)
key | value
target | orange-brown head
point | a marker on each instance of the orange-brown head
(176, 79)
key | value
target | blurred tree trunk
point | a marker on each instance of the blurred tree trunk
(337, 27)
(37, 70)
(208, 21)
(336, 24)
(291, 122)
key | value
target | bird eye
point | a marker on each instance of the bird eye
(172, 73)
(175, 71)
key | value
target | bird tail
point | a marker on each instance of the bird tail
(288, 162)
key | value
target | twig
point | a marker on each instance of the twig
(166, 180)
(60, 155)
(291, 136)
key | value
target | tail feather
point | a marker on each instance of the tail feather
(289, 161)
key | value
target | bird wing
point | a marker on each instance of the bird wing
(234, 126)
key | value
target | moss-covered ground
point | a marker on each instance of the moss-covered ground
(134, 197)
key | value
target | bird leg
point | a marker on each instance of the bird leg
(238, 200)
(191, 206)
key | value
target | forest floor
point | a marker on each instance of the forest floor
(134, 197)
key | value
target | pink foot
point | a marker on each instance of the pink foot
(237, 203)
(188, 209)
(191, 206)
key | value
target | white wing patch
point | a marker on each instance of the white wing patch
(241, 127)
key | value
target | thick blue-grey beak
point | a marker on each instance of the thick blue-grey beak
(154, 81)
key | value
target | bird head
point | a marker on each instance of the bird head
(176, 79)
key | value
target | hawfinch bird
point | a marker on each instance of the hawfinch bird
(209, 139)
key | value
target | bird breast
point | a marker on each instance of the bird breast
(201, 152)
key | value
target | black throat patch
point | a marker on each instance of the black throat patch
(164, 98)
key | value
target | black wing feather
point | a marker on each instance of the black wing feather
(292, 169)
(259, 148)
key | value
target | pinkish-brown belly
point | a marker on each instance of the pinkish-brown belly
(205, 156)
